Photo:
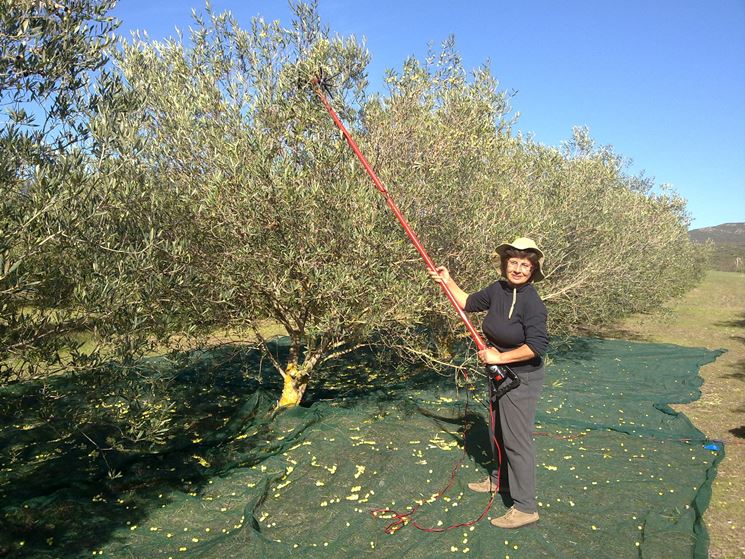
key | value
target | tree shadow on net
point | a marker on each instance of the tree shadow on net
(88, 455)
(575, 349)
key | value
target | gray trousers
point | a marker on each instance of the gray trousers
(512, 425)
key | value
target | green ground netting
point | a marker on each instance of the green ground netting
(619, 473)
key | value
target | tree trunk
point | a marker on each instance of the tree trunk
(296, 381)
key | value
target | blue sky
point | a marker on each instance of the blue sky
(663, 81)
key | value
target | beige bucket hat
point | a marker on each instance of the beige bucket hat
(525, 243)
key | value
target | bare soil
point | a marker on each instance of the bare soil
(713, 316)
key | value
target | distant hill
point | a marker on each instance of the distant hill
(728, 240)
(727, 233)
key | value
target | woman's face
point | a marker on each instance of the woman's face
(519, 270)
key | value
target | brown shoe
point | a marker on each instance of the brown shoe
(483, 486)
(513, 518)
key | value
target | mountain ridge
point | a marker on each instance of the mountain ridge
(725, 233)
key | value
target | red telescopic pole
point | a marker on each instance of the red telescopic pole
(497, 372)
(392, 205)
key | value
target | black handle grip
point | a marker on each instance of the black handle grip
(505, 377)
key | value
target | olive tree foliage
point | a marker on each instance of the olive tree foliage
(67, 301)
(213, 192)
(251, 205)
(614, 244)
(433, 136)
(262, 210)
(50, 52)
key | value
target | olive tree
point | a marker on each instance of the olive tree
(263, 212)
(615, 245)
(50, 51)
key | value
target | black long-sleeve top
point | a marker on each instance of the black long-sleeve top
(516, 316)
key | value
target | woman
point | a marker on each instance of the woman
(515, 325)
